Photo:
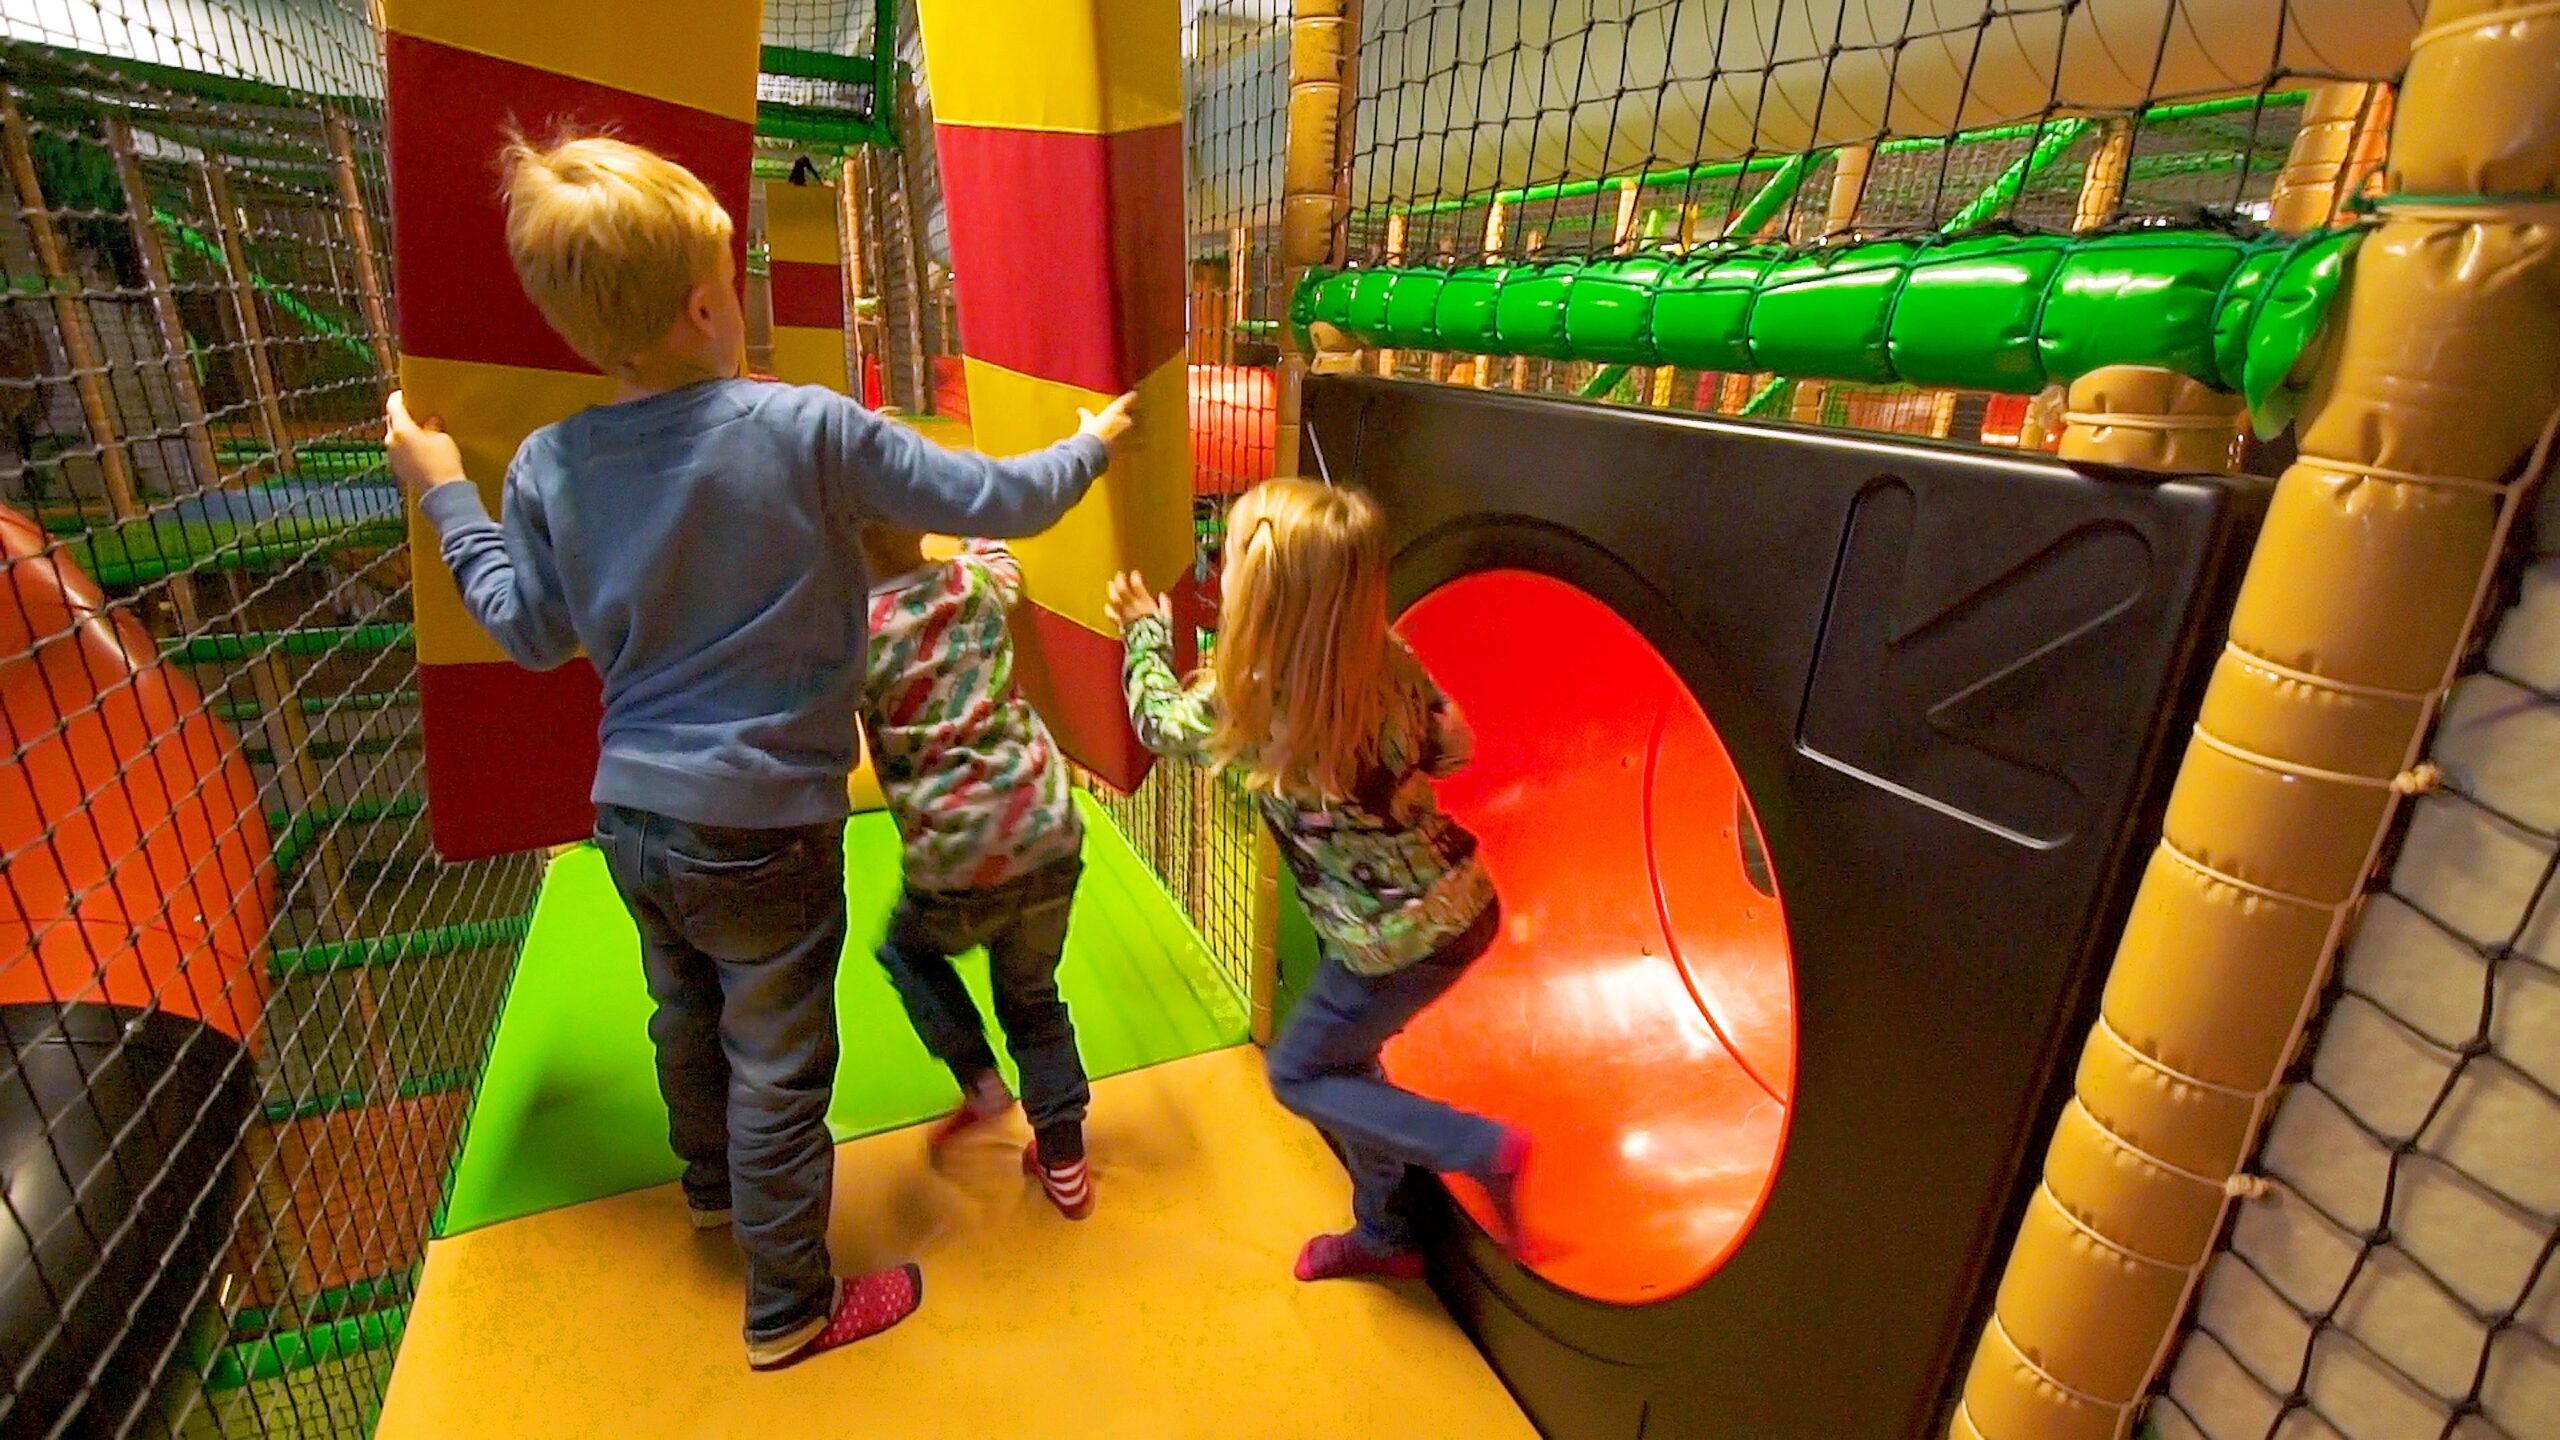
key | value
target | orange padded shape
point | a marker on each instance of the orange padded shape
(136, 852)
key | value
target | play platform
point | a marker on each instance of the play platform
(1170, 1313)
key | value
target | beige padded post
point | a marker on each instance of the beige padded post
(2442, 369)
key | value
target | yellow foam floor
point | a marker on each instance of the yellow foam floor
(1170, 1314)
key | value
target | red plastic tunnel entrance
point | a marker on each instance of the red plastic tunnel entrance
(1637, 1015)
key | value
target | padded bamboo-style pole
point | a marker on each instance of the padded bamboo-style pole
(1850, 164)
(849, 238)
(1324, 36)
(1497, 220)
(2442, 368)
(1315, 178)
(2344, 129)
(2132, 415)
(1395, 257)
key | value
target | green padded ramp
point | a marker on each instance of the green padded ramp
(569, 1109)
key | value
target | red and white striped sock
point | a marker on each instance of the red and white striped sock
(1069, 1186)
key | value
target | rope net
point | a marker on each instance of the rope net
(243, 1005)
(1193, 828)
(2397, 1276)
(1515, 139)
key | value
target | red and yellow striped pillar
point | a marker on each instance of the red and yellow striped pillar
(510, 753)
(805, 256)
(1060, 131)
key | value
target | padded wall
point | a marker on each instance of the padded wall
(1949, 681)
(1059, 127)
(510, 753)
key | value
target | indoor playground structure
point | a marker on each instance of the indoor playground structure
(1998, 553)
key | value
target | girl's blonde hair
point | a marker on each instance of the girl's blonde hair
(610, 240)
(1305, 687)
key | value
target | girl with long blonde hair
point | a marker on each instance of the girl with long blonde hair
(1338, 733)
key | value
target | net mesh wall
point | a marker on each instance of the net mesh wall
(2397, 1277)
(1195, 828)
(1497, 130)
(213, 817)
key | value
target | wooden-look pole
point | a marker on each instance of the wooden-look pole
(370, 289)
(70, 312)
(226, 220)
(281, 724)
(849, 244)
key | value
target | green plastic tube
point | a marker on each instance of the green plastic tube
(1998, 312)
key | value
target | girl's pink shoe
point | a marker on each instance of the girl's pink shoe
(1343, 1257)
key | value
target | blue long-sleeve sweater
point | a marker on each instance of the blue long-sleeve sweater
(702, 546)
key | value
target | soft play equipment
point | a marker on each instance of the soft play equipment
(133, 920)
(1233, 420)
(1059, 128)
(510, 753)
(1812, 769)
(805, 249)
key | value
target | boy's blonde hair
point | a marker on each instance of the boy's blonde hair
(609, 240)
(1304, 685)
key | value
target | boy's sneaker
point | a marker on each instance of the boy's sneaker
(1343, 1257)
(1068, 1186)
(705, 1217)
(982, 1100)
(865, 1305)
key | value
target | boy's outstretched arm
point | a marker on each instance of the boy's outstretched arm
(889, 470)
(1169, 720)
(506, 574)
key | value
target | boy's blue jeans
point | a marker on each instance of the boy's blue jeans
(740, 932)
(1023, 925)
(1324, 1068)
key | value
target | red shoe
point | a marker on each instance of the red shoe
(865, 1305)
(987, 1100)
(1068, 1186)
(1343, 1257)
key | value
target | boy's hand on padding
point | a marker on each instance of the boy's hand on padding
(1130, 601)
(1111, 422)
(422, 456)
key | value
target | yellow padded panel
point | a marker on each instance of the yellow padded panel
(1087, 67)
(701, 53)
(1138, 517)
(807, 355)
(800, 222)
(490, 409)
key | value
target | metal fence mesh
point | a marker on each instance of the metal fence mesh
(244, 1005)
(2396, 1278)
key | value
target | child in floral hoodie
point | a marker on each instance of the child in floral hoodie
(980, 795)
